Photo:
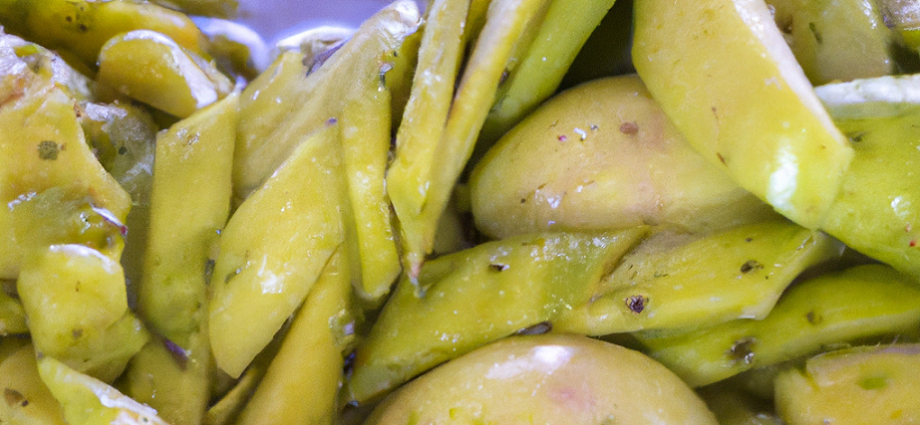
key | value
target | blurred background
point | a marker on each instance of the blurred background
(276, 19)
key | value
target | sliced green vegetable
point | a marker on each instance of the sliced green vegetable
(465, 300)
(440, 126)
(306, 392)
(875, 211)
(532, 77)
(154, 69)
(863, 385)
(88, 401)
(83, 26)
(43, 147)
(726, 78)
(865, 302)
(680, 281)
(77, 308)
(273, 250)
(295, 97)
(836, 40)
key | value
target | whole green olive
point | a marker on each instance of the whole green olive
(546, 379)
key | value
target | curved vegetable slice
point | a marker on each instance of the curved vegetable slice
(190, 205)
(88, 401)
(273, 250)
(467, 299)
(152, 68)
(43, 153)
(83, 26)
(860, 303)
(533, 76)
(306, 392)
(440, 127)
(77, 308)
(863, 385)
(298, 96)
(295, 97)
(26, 399)
(681, 281)
(877, 211)
(836, 40)
(216, 8)
(724, 75)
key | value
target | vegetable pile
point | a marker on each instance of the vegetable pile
(489, 211)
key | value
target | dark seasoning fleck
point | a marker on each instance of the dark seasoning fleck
(636, 303)
(751, 265)
(743, 350)
(498, 267)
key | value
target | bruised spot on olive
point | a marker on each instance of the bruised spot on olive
(750, 266)
(48, 150)
(749, 239)
(721, 158)
(813, 317)
(743, 350)
(629, 128)
(122, 150)
(76, 333)
(636, 303)
(68, 18)
(83, 28)
(538, 329)
(498, 267)
(523, 200)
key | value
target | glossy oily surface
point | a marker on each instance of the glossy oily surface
(558, 379)
(603, 155)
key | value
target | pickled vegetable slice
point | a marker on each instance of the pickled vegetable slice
(724, 75)
(470, 298)
(273, 250)
(89, 401)
(680, 281)
(863, 385)
(865, 302)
